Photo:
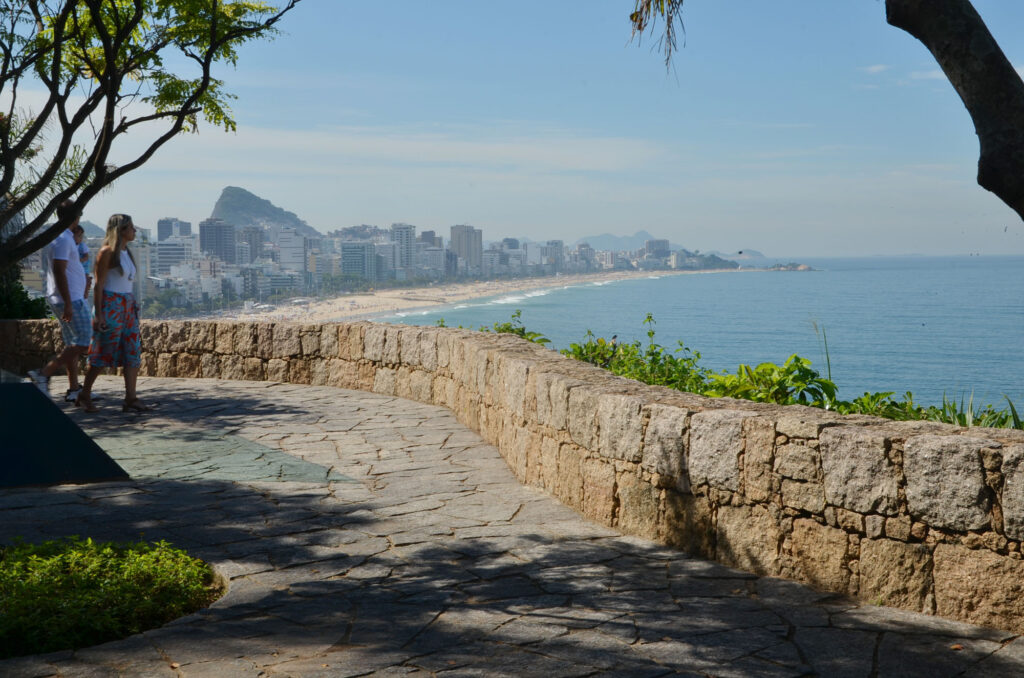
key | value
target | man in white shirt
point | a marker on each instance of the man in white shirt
(65, 291)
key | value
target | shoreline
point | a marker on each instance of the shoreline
(372, 305)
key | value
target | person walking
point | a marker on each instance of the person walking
(115, 338)
(65, 292)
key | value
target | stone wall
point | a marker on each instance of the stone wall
(922, 516)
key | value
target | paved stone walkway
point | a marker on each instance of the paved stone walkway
(370, 535)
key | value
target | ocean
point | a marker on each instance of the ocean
(935, 326)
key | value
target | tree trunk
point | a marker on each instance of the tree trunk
(990, 88)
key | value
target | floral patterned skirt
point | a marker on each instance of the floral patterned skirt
(118, 345)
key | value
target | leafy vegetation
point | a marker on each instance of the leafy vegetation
(795, 382)
(71, 593)
(15, 304)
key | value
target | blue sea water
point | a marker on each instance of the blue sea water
(935, 326)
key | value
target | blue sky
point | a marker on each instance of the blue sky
(795, 127)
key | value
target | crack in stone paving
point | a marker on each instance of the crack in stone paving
(369, 535)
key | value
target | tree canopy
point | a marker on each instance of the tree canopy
(953, 31)
(78, 76)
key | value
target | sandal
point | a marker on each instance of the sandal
(136, 405)
(85, 402)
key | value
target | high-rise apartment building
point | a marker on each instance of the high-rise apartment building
(467, 242)
(656, 249)
(405, 236)
(359, 258)
(217, 237)
(170, 226)
(254, 236)
(292, 247)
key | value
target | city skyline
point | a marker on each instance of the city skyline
(796, 130)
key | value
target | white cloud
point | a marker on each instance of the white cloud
(876, 68)
(928, 75)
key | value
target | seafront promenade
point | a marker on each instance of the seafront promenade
(364, 534)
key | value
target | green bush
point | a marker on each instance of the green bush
(15, 304)
(71, 593)
(794, 382)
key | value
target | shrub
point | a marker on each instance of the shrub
(70, 593)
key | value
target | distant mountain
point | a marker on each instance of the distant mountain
(91, 229)
(240, 207)
(618, 243)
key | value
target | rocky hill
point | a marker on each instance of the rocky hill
(240, 207)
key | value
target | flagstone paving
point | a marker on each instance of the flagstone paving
(369, 535)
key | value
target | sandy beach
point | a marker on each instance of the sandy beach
(363, 306)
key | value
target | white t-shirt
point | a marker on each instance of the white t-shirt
(64, 249)
(116, 281)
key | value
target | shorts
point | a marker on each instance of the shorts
(118, 345)
(79, 330)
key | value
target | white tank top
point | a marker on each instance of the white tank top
(118, 282)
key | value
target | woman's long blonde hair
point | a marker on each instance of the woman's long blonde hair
(114, 241)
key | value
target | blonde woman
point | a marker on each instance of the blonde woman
(115, 338)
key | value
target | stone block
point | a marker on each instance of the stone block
(598, 490)
(232, 367)
(300, 371)
(748, 538)
(318, 371)
(896, 574)
(330, 345)
(392, 345)
(819, 555)
(898, 528)
(384, 381)
(569, 488)
(421, 386)
(428, 349)
(443, 391)
(253, 369)
(166, 365)
(444, 345)
(797, 462)
(582, 416)
(620, 427)
(1013, 491)
(409, 345)
(309, 339)
(686, 523)
(342, 373)
(202, 337)
(510, 387)
(554, 411)
(245, 340)
(367, 375)
(808, 497)
(176, 339)
(373, 343)
(979, 586)
(758, 455)
(946, 482)
(287, 340)
(277, 370)
(188, 366)
(353, 341)
(210, 365)
(224, 338)
(797, 426)
(716, 443)
(664, 450)
(549, 464)
(46, 338)
(265, 340)
(874, 526)
(856, 472)
(638, 506)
